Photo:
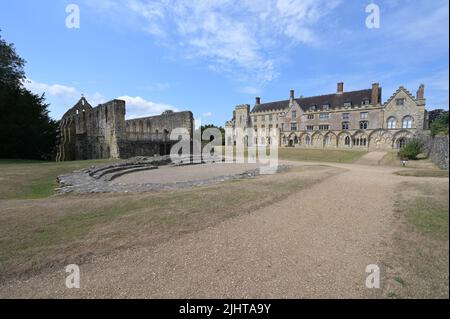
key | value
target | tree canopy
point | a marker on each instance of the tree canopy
(26, 130)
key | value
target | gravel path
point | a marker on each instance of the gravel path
(314, 244)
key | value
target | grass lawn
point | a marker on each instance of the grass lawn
(424, 173)
(26, 179)
(312, 155)
(36, 234)
(418, 264)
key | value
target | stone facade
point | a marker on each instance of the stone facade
(352, 120)
(102, 132)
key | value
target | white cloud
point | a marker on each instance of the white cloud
(250, 90)
(140, 107)
(207, 114)
(243, 39)
(57, 90)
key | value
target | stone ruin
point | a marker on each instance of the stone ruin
(101, 132)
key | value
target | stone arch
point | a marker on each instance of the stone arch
(360, 139)
(330, 140)
(341, 139)
(305, 139)
(317, 140)
(401, 136)
(380, 139)
(292, 139)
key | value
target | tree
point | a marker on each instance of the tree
(26, 130)
(440, 125)
(11, 65)
(411, 150)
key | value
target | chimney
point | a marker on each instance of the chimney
(292, 94)
(340, 88)
(375, 93)
(258, 100)
(421, 92)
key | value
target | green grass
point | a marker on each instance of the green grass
(423, 173)
(36, 234)
(429, 216)
(313, 155)
(26, 179)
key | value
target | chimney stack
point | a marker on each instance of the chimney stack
(375, 93)
(292, 94)
(258, 100)
(421, 92)
(340, 88)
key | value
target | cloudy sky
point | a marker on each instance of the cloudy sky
(210, 55)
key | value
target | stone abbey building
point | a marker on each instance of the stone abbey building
(356, 119)
(101, 132)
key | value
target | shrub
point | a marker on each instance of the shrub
(411, 150)
(440, 125)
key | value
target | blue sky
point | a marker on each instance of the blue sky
(208, 56)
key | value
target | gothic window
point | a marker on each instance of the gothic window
(310, 127)
(407, 122)
(345, 125)
(308, 140)
(294, 115)
(400, 102)
(347, 141)
(392, 123)
(364, 125)
(293, 126)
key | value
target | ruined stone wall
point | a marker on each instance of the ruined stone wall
(102, 132)
(437, 150)
(98, 130)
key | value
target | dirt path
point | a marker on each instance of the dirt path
(315, 243)
(372, 158)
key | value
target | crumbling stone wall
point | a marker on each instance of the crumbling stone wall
(102, 132)
(437, 150)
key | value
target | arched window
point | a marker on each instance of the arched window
(407, 122)
(328, 140)
(308, 140)
(347, 141)
(392, 123)
(295, 140)
(284, 140)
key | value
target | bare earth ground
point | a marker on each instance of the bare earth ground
(314, 243)
(167, 174)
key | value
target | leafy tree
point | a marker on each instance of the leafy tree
(11, 65)
(26, 130)
(411, 150)
(440, 125)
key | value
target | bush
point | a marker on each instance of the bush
(440, 125)
(411, 150)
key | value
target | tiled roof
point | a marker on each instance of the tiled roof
(333, 100)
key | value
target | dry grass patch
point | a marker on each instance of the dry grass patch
(24, 179)
(38, 234)
(418, 264)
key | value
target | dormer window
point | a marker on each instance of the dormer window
(348, 104)
(312, 108)
(366, 102)
(326, 107)
(294, 115)
(400, 102)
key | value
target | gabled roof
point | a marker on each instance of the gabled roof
(82, 104)
(333, 100)
(401, 88)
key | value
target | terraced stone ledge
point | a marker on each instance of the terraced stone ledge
(98, 179)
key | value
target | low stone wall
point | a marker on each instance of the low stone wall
(437, 150)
